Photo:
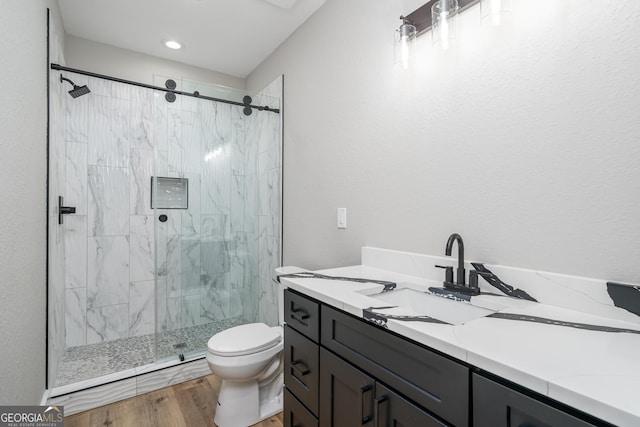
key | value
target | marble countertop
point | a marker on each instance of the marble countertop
(595, 371)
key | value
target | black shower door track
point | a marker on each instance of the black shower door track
(163, 89)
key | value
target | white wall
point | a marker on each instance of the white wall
(522, 139)
(126, 64)
(23, 177)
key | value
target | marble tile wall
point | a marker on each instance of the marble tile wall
(213, 260)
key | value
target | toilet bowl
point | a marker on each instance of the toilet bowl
(249, 360)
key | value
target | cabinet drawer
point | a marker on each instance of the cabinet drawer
(495, 405)
(295, 414)
(438, 384)
(302, 314)
(390, 409)
(301, 368)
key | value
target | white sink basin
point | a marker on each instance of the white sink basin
(412, 302)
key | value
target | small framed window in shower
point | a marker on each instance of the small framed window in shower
(171, 193)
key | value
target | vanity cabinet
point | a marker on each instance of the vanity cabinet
(496, 405)
(342, 371)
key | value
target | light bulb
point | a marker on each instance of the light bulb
(404, 44)
(444, 15)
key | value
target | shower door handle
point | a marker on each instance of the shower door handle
(64, 210)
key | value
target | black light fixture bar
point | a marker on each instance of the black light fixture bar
(421, 17)
(163, 89)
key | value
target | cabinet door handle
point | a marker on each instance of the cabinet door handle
(376, 413)
(299, 314)
(304, 370)
(365, 389)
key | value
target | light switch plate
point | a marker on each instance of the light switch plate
(342, 217)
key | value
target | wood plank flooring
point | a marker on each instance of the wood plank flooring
(190, 404)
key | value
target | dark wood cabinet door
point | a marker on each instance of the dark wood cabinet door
(346, 393)
(295, 414)
(495, 405)
(392, 410)
(301, 368)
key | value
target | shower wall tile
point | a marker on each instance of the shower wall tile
(75, 193)
(160, 304)
(215, 227)
(238, 257)
(251, 208)
(238, 202)
(107, 323)
(75, 301)
(108, 201)
(216, 194)
(141, 308)
(270, 201)
(141, 118)
(191, 216)
(75, 250)
(140, 172)
(174, 313)
(141, 252)
(160, 120)
(191, 127)
(190, 280)
(215, 244)
(174, 142)
(237, 140)
(108, 271)
(216, 129)
(76, 114)
(109, 127)
(174, 220)
(216, 297)
(174, 266)
(215, 256)
(190, 310)
(109, 89)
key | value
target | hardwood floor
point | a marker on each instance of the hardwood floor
(190, 404)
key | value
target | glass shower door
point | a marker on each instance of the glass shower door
(207, 249)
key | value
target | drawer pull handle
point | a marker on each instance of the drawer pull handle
(376, 414)
(299, 315)
(295, 364)
(365, 389)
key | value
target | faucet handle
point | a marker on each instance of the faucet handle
(448, 275)
(473, 277)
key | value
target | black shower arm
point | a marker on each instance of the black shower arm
(64, 79)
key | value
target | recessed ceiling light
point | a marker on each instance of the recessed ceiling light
(172, 44)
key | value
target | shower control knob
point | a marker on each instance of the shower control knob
(163, 218)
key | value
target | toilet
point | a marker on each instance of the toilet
(249, 360)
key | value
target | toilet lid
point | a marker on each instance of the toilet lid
(244, 339)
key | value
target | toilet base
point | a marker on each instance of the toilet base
(239, 404)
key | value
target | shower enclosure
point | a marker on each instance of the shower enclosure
(177, 221)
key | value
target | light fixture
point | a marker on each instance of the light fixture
(405, 38)
(444, 18)
(441, 17)
(495, 12)
(172, 44)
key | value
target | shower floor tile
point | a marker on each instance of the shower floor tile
(95, 360)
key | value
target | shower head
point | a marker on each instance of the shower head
(77, 90)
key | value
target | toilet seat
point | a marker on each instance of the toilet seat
(243, 340)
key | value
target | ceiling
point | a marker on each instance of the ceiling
(228, 36)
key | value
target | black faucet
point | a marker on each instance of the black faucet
(460, 272)
(459, 285)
